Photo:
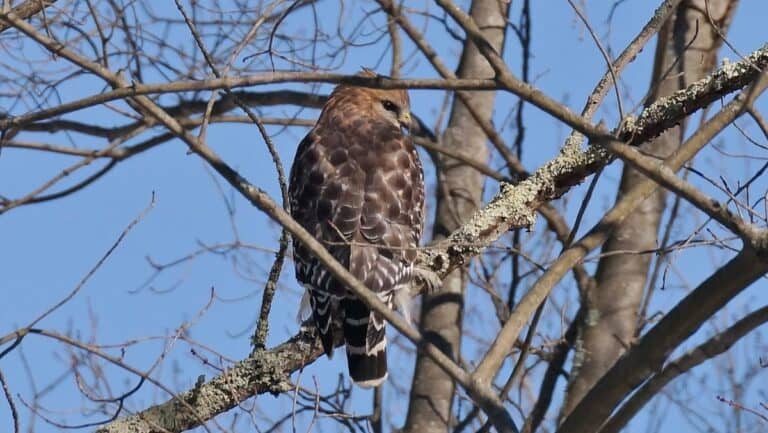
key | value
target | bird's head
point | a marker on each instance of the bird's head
(390, 104)
(394, 106)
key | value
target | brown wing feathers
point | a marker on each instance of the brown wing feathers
(357, 186)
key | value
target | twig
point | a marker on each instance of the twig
(18, 335)
(259, 338)
(714, 346)
(397, 54)
(667, 178)
(604, 53)
(509, 333)
(761, 123)
(554, 371)
(11, 404)
(739, 406)
(648, 355)
(484, 395)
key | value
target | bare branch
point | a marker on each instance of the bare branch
(713, 347)
(493, 359)
(27, 9)
(262, 372)
(11, 404)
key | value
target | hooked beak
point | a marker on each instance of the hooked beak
(405, 120)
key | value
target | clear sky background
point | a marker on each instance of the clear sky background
(46, 249)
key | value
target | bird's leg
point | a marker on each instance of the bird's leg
(427, 280)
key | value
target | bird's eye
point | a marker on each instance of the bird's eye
(390, 106)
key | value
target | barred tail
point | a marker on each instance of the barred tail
(322, 310)
(366, 344)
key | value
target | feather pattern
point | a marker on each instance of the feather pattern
(357, 186)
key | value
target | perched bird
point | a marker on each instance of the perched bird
(357, 186)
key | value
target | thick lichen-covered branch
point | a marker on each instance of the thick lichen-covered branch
(512, 207)
(264, 371)
(515, 206)
(667, 112)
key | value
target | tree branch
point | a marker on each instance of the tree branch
(263, 371)
(487, 369)
(512, 207)
(129, 90)
(711, 348)
(27, 10)
(648, 355)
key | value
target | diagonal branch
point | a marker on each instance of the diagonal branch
(648, 355)
(716, 345)
(512, 207)
(507, 80)
(554, 219)
(493, 359)
(483, 395)
(666, 177)
(264, 371)
(27, 10)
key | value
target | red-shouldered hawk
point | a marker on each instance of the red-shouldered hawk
(357, 185)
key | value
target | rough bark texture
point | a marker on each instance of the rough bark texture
(686, 51)
(460, 195)
(27, 9)
(264, 371)
(509, 207)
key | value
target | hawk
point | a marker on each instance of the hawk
(357, 186)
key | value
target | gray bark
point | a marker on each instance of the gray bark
(460, 195)
(686, 51)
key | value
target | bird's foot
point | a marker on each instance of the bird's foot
(429, 281)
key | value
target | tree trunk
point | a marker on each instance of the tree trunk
(686, 51)
(460, 195)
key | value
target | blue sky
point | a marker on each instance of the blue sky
(46, 249)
